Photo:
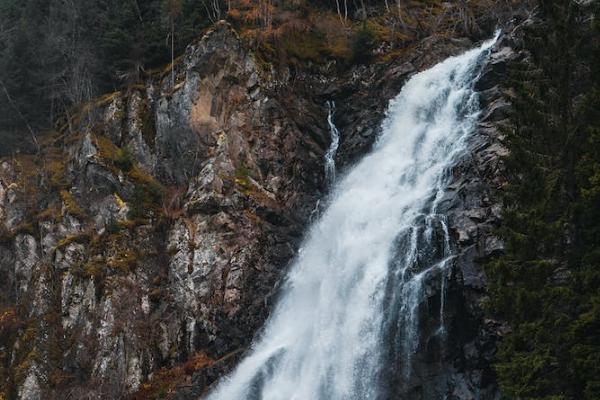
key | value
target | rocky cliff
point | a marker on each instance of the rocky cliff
(141, 248)
(458, 363)
(153, 227)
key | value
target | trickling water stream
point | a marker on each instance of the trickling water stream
(329, 158)
(333, 146)
(348, 313)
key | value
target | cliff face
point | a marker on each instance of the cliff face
(458, 363)
(141, 249)
(119, 262)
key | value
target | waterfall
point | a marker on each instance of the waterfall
(347, 316)
(333, 146)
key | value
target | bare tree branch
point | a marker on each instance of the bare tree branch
(20, 114)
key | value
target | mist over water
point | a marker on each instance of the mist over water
(354, 290)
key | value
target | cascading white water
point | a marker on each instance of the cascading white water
(355, 288)
(329, 158)
(333, 146)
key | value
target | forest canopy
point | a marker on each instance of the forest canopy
(58, 53)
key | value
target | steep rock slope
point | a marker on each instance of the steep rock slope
(154, 227)
(456, 365)
(141, 250)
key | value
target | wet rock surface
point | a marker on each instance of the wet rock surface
(456, 363)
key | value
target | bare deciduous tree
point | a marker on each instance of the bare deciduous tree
(20, 114)
(173, 8)
(213, 9)
(339, 11)
(399, 6)
(70, 55)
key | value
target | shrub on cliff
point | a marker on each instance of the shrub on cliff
(363, 44)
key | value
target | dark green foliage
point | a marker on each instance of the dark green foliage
(124, 160)
(147, 198)
(55, 54)
(113, 227)
(20, 70)
(363, 45)
(547, 285)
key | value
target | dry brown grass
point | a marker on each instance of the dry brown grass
(165, 381)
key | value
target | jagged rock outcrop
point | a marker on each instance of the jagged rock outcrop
(145, 243)
(164, 221)
(457, 363)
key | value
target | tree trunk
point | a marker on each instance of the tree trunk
(172, 53)
(339, 11)
(20, 114)
(345, 10)
(399, 4)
